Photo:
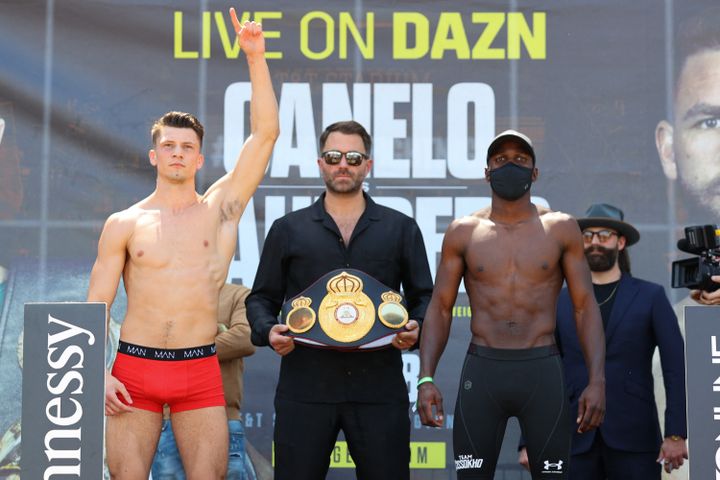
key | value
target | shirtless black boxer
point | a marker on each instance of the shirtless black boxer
(513, 257)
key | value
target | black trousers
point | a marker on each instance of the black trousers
(604, 463)
(378, 438)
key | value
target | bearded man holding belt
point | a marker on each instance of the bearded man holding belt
(323, 391)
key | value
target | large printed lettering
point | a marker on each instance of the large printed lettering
(293, 165)
(456, 37)
(69, 331)
(346, 24)
(62, 410)
(296, 149)
(323, 35)
(225, 32)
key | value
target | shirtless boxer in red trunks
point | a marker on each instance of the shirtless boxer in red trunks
(173, 250)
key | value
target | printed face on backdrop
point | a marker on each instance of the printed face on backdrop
(689, 149)
(344, 178)
(176, 154)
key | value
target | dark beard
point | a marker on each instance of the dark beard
(601, 259)
(351, 188)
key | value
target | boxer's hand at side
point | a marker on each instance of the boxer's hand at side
(408, 337)
(282, 344)
(428, 397)
(591, 408)
(113, 405)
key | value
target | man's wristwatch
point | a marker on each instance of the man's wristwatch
(676, 438)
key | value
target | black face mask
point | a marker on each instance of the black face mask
(510, 181)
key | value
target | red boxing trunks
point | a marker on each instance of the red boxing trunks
(184, 378)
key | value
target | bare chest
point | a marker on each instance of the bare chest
(528, 252)
(162, 240)
(346, 227)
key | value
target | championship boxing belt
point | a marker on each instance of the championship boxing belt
(345, 309)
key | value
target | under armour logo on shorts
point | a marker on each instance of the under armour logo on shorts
(555, 466)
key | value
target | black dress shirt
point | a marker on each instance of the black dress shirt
(303, 246)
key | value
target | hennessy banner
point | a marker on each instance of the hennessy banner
(63, 390)
(601, 87)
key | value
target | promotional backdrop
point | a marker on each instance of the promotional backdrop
(81, 82)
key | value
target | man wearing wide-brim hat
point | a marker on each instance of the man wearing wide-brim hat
(637, 317)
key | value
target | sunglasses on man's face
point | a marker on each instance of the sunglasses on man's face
(604, 236)
(353, 158)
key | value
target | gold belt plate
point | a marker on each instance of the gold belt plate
(346, 314)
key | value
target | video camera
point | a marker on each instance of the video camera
(695, 273)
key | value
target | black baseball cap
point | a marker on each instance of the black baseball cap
(521, 138)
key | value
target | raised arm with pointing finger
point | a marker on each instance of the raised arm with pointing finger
(237, 186)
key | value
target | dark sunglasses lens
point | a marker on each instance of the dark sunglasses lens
(354, 158)
(603, 236)
(332, 157)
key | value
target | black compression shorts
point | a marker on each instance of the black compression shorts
(497, 384)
